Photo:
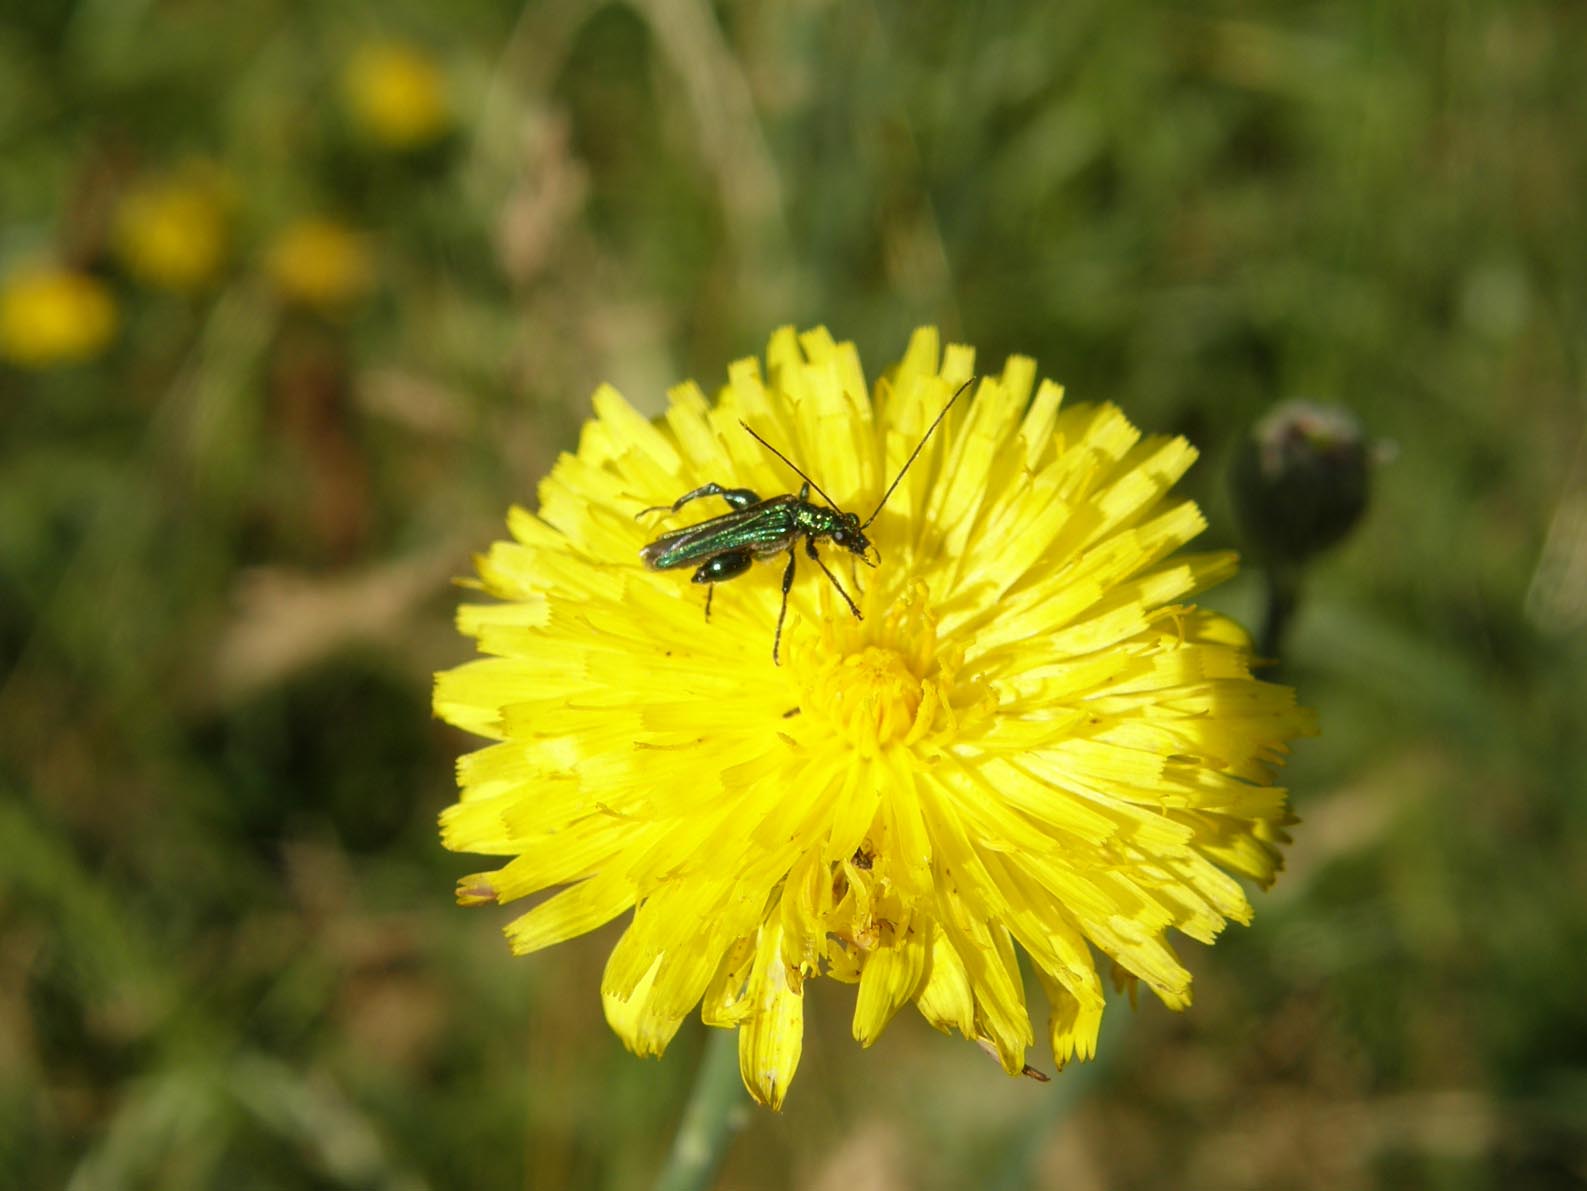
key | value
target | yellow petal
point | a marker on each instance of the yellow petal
(892, 975)
(1073, 1022)
(772, 1038)
(946, 999)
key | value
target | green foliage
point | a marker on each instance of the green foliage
(228, 954)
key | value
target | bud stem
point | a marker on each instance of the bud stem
(1283, 597)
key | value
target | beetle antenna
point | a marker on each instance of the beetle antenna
(790, 463)
(916, 452)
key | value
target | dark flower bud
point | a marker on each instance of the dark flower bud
(1301, 480)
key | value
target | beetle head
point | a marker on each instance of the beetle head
(846, 532)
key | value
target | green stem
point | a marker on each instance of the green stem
(717, 1108)
(1283, 596)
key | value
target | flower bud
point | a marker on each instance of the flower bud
(1300, 480)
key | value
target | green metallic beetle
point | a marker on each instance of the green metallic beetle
(724, 547)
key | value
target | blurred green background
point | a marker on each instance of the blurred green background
(296, 298)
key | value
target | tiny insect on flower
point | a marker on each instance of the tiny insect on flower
(1017, 736)
(724, 547)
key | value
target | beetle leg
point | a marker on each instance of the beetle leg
(787, 586)
(810, 549)
(738, 498)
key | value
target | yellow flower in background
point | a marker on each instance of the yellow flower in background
(395, 95)
(171, 231)
(51, 315)
(321, 263)
(1030, 742)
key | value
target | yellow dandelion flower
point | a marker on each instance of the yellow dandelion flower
(321, 263)
(51, 315)
(395, 95)
(171, 231)
(1030, 742)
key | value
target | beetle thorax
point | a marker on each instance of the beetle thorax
(840, 528)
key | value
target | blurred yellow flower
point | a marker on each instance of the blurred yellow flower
(171, 231)
(395, 95)
(1030, 742)
(321, 263)
(52, 315)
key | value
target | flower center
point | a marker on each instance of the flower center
(884, 681)
(871, 697)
